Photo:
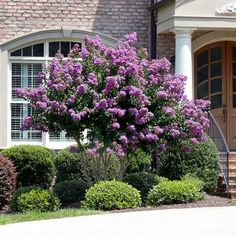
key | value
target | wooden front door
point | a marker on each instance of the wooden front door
(215, 79)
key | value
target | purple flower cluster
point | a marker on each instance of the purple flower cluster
(124, 100)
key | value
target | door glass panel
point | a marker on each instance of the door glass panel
(202, 90)
(216, 54)
(202, 59)
(234, 85)
(216, 85)
(202, 74)
(234, 53)
(216, 69)
(216, 101)
(234, 101)
(234, 69)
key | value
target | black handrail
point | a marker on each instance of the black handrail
(216, 134)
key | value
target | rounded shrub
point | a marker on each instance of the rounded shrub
(7, 180)
(109, 195)
(176, 191)
(67, 166)
(38, 200)
(34, 164)
(201, 161)
(70, 191)
(143, 182)
(13, 204)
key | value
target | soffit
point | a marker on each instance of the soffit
(200, 14)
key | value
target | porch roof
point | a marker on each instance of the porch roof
(159, 3)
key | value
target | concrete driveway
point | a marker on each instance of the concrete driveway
(216, 221)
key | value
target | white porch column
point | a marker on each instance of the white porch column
(183, 58)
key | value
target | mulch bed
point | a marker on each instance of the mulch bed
(208, 201)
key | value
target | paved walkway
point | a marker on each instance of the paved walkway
(218, 221)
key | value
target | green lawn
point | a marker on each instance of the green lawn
(30, 216)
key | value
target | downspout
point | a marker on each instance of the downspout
(153, 33)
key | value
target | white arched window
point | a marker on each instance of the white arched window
(21, 59)
(25, 65)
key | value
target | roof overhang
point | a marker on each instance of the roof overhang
(159, 3)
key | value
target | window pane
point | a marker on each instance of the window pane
(216, 54)
(63, 136)
(202, 90)
(202, 59)
(65, 48)
(25, 75)
(18, 112)
(216, 101)
(202, 74)
(216, 69)
(216, 85)
(53, 48)
(38, 50)
(16, 53)
(27, 51)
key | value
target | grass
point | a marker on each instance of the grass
(30, 216)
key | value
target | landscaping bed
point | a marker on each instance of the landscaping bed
(208, 201)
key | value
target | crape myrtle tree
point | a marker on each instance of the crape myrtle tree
(124, 100)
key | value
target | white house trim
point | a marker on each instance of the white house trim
(58, 34)
(213, 37)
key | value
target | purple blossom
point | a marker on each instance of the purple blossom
(115, 125)
(81, 89)
(71, 99)
(162, 95)
(41, 105)
(123, 139)
(116, 111)
(92, 79)
(101, 105)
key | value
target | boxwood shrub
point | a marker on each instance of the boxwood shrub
(67, 166)
(13, 204)
(176, 191)
(143, 182)
(202, 161)
(38, 200)
(7, 180)
(109, 195)
(34, 164)
(70, 191)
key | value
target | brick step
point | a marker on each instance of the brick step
(232, 194)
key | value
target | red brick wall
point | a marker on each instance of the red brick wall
(111, 17)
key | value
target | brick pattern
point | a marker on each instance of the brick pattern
(111, 17)
(165, 45)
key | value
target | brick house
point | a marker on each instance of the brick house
(198, 36)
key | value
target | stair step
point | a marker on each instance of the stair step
(232, 194)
